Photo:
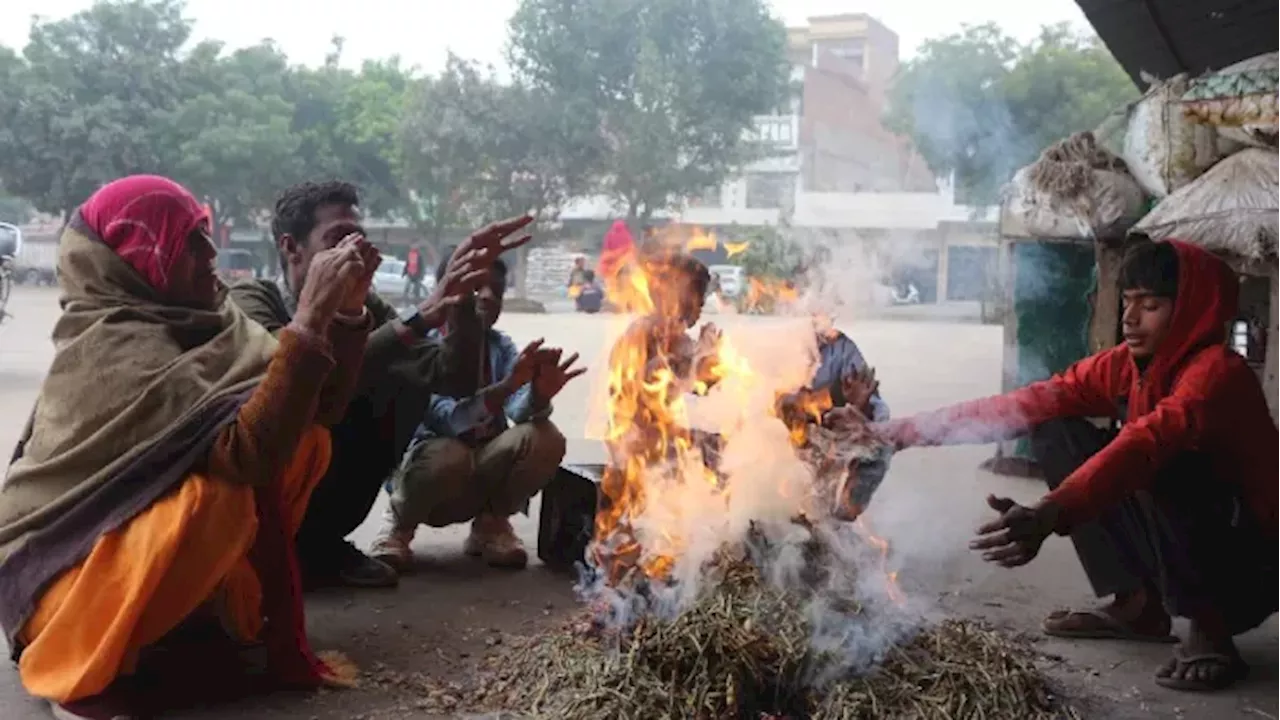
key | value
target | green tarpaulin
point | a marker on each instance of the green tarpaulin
(1051, 292)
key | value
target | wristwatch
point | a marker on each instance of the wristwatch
(413, 320)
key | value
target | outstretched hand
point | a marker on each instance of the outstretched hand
(552, 374)
(486, 244)
(526, 365)
(1014, 538)
(858, 387)
(461, 278)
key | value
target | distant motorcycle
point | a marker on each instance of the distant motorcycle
(905, 296)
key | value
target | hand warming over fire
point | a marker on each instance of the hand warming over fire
(521, 374)
(551, 374)
(1015, 537)
(858, 387)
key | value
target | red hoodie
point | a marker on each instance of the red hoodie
(1195, 394)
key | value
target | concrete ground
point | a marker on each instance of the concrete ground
(447, 614)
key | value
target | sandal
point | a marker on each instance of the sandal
(1232, 669)
(1098, 625)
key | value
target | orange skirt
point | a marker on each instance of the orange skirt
(141, 581)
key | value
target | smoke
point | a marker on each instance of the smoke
(765, 487)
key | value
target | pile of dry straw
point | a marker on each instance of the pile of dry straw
(743, 650)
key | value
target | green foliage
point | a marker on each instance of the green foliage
(442, 146)
(475, 149)
(770, 254)
(670, 86)
(112, 90)
(232, 132)
(89, 101)
(981, 105)
(644, 100)
(14, 210)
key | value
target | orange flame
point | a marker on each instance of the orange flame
(766, 295)
(733, 249)
(701, 240)
(652, 368)
(806, 407)
(891, 576)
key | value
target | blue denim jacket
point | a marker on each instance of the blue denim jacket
(459, 417)
(838, 358)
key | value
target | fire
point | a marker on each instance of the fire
(701, 239)
(733, 249)
(765, 295)
(652, 369)
(809, 407)
(658, 463)
(891, 576)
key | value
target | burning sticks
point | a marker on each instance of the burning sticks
(706, 601)
(745, 650)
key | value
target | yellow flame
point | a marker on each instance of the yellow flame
(653, 367)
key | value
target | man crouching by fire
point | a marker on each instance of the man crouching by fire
(842, 396)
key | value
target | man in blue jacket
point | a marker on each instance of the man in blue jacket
(479, 459)
(844, 375)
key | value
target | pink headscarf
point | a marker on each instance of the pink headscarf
(145, 219)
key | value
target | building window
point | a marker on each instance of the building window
(775, 130)
(767, 191)
(708, 198)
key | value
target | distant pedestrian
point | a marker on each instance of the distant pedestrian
(414, 269)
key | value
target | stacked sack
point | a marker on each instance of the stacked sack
(1201, 150)
(1212, 163)
(1075, 189)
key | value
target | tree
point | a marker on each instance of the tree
(1058, 65)
(536, 156)
(89, 100)
(443, 148)
(980, 105)
(349, 126)
(232, 132)
(670, 86)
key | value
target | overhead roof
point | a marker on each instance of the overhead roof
(1167, 37)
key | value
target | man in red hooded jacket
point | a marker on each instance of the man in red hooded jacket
(1180, 504)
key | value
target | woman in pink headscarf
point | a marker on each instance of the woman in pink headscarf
(619, 248)
(170, 456)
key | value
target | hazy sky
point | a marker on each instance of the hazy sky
(422, 31)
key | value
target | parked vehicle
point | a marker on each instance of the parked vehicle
(6, 284)
(10, 240)
(906, 295)
(732, 280)
(35, 262)
(389, 280)
(235, 264)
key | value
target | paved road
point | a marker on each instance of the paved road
(929, 504)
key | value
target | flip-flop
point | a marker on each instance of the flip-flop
(1235, 670)
(1098, 625)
